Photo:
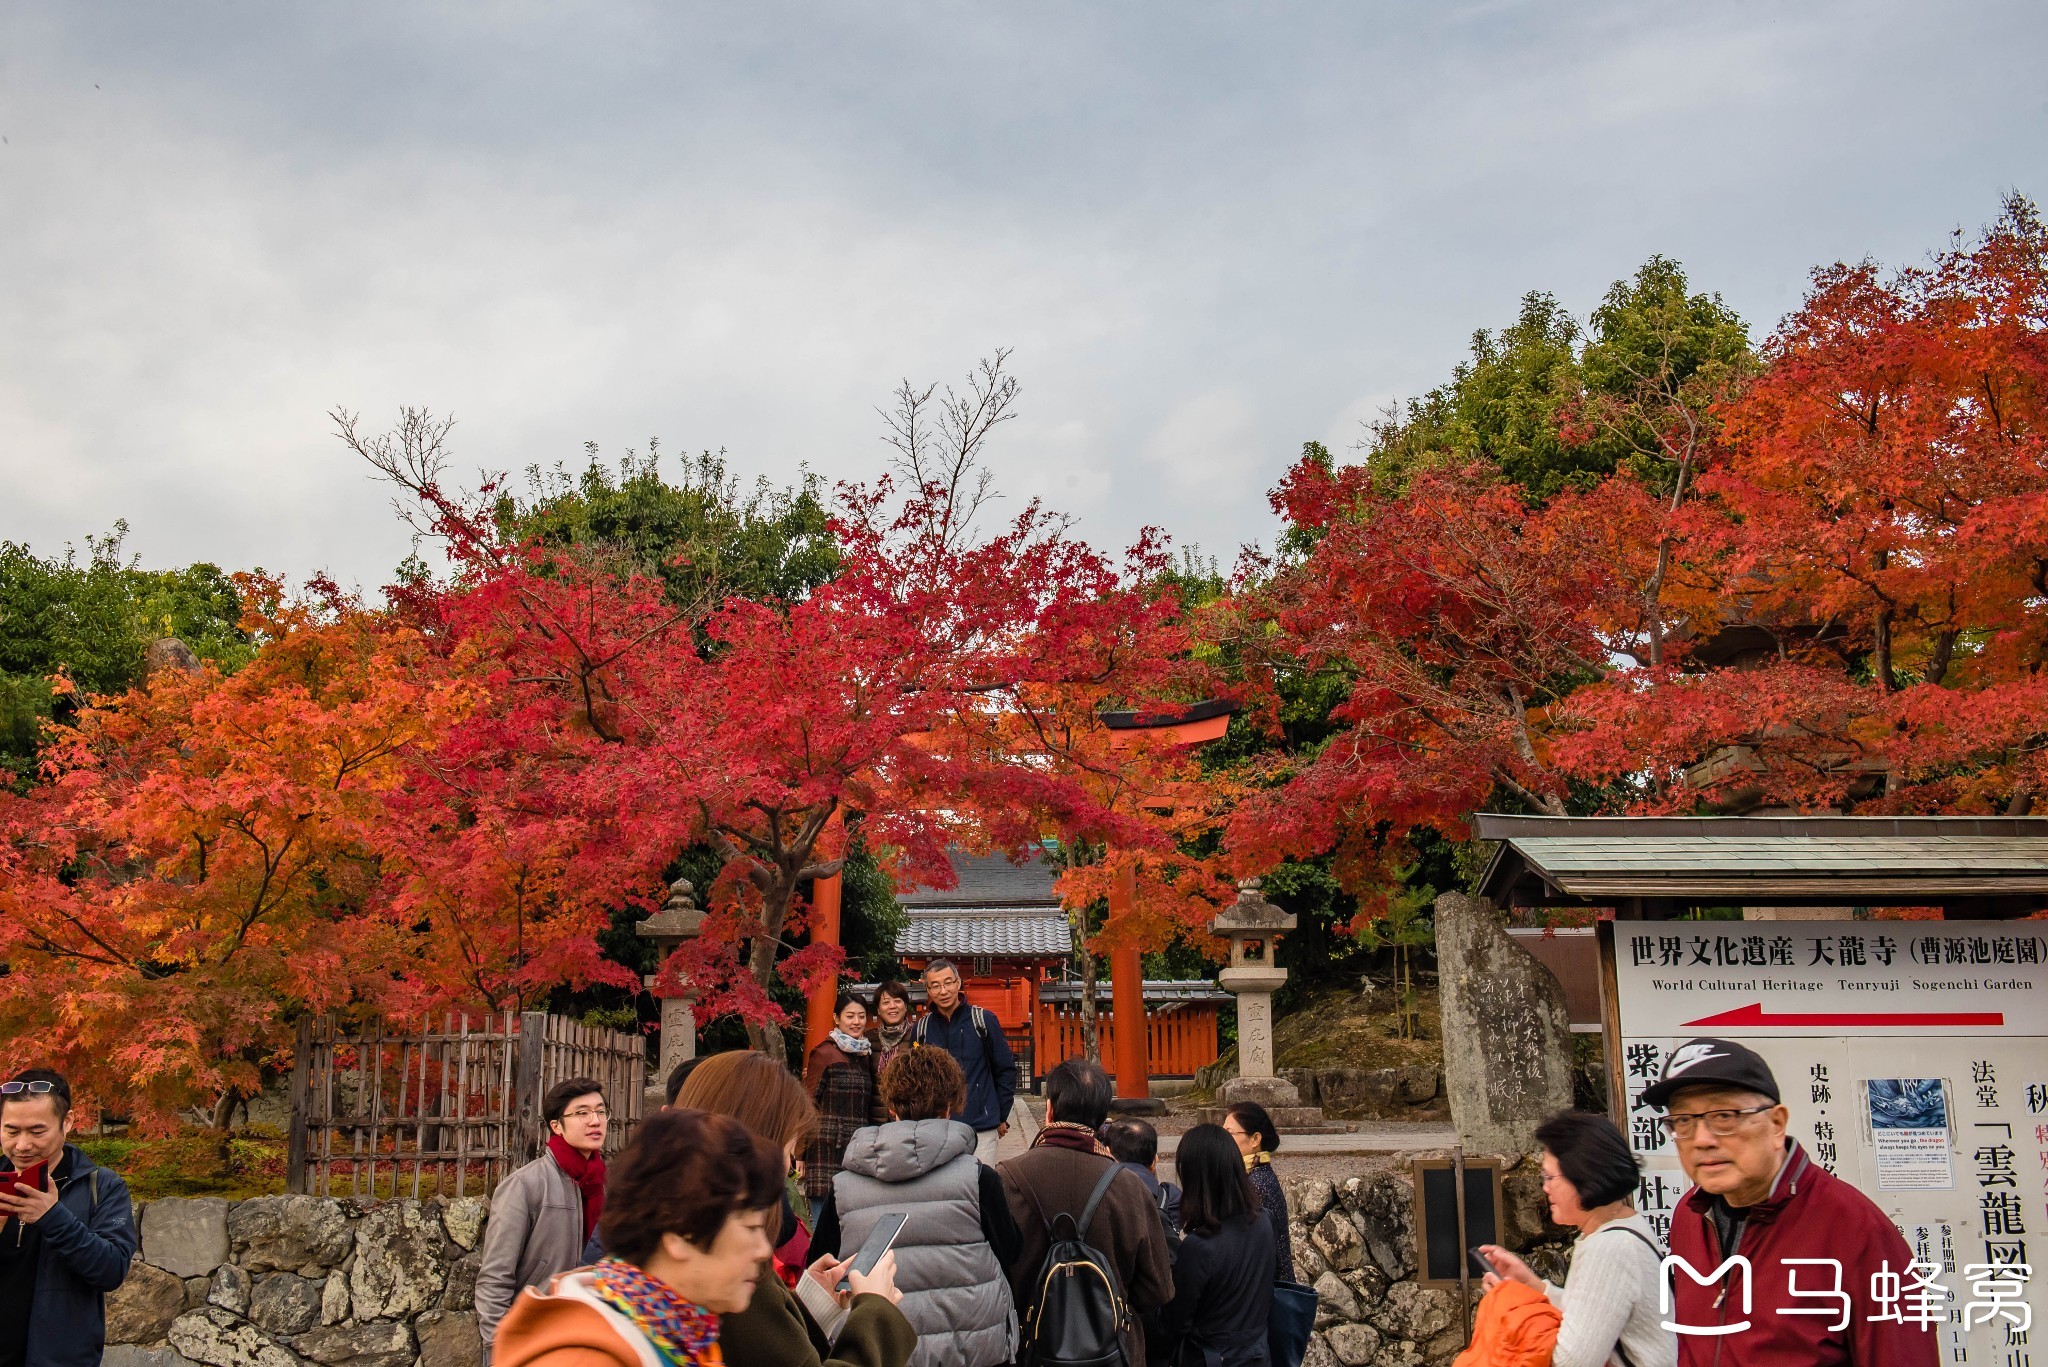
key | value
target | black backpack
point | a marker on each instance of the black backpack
(1079, 1318)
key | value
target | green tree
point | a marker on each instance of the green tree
(1552, 405)
(702, 535)
(1658, 359)
(92, 618)
(1501, 408)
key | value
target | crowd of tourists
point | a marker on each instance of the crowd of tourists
(712, 1239)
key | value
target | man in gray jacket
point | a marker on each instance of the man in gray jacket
(542, 1214)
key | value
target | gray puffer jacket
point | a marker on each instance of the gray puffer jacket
(954, 1291)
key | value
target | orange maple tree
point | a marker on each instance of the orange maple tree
(1876, 520)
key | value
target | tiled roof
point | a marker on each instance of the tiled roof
(990, 880)
(1018, 931)
(1156, 990)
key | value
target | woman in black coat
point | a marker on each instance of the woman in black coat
(1222, 1278)
(1258, 1139)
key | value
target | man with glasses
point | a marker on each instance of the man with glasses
(1813, 1243)
(68, 1236)
(975, 1039)
(543, 1214)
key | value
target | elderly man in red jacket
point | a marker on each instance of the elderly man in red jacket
(1812, 1242)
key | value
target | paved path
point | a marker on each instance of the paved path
(1023, 1129)
(1301, 1155)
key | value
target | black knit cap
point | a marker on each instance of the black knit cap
(1711, 1063)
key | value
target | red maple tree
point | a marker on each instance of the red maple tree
(1876, 522)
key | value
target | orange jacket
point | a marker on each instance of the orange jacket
(1516, 1327)
(567, 1326)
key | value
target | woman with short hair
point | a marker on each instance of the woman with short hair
(895, 1017)
(841, 1077)
(1258, 1139)
(817, 1325)
(958, 1239)
(1222, 1274)
(1610, 1302)
(690, 1203)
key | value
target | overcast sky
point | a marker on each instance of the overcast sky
(1210, 232)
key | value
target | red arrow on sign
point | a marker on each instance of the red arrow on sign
(1754, 1014)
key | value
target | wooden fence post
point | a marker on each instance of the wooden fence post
(533, 1044)
(295, 1150)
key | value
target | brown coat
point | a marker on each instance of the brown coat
(1045, 1181)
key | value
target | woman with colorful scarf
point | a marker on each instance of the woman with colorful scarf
(688, 1225)
(840, 1076)
(895, 1020)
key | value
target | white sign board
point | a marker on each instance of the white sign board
(1913, 1056)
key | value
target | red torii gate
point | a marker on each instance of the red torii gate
(1193, 725)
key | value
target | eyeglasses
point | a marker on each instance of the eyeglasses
(599, 1114)
(32, 1088)
(1718, 1122)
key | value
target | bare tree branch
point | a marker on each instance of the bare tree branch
(939, 443)
(413, 455)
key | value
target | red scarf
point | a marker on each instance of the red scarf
(587, 1172)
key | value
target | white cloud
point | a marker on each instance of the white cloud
(1210, 235)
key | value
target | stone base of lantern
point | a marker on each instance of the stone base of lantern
(1266, 1091)
(1286, 1119)
(1138, 1105)
(1280, 1097)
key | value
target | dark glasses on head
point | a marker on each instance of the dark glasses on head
(32, 1088)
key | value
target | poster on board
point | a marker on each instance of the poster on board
(1913, 1056)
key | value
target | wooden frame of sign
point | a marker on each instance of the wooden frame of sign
(1440, 1259)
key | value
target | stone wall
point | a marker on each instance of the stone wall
(1415, 1092)
(1354, 1241)
(304, 1281)
(288, 1281)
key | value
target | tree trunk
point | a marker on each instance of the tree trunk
(761, 963)
(1091, 1030)
(1881, 651)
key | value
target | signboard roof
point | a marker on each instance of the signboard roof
(1770, 860)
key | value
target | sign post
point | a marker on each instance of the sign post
(1913, 1056)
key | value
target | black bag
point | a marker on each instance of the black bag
(1289, 1323)
(1079, 1318)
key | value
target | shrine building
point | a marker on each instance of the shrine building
(1003, 926)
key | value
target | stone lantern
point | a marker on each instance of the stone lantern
(677, 921)
(1254, 927)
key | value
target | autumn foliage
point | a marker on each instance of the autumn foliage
(1814, 577)
(439, 805)
(1827, 590)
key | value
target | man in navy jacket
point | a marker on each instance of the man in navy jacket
(974, 1038)
(65, 1244)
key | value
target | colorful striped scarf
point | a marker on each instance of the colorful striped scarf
(685, 1335)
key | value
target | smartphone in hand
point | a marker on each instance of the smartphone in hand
(876, 1248)
(32, 1178)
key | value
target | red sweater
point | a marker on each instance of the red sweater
(1809, 1213)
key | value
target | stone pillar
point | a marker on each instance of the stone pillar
(1507, 1035)
(677, 921)
(1255, 1035)
(1254, 927)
